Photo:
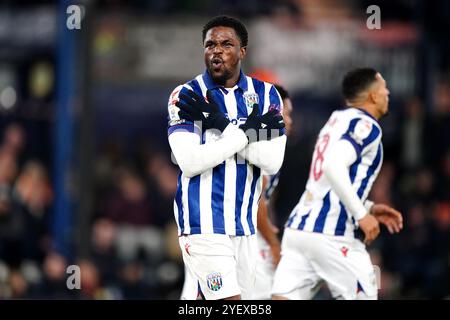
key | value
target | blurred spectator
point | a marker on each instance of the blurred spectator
(129, 208)
(162, 182)
(89, 280)
(103, 251)
(14, 140)
(33, 196)
(18, 285)
(11, 221)
(54, 284)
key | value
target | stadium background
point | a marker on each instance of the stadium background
(85, 170)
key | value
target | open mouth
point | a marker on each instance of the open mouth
(216, 63)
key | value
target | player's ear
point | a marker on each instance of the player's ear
(372, 96)
(242, 52)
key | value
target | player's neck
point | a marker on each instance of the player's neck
(372, 110)
(230, 83)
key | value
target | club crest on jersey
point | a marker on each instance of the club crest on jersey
(250, 99)
(214, 281)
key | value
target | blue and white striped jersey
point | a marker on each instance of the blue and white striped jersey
(223, 199)
(319, 208)
(272, 183)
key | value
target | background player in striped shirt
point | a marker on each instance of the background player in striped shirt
(221, 145)
(319, 242)
(269, 247)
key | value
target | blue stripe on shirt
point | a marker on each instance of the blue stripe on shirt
(354, 169)
(347, 136)
(341, 223)
(370, 172)
(241, 178)
(303, 221)
(372, 136)
(260, 90)
(241, 168)
(240, 103)
(256, 174)
(219, 98)
(217, 198)
(320, 221)
(291, 219)
(178, 201)
(194, 204)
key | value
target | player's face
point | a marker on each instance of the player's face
(381, 95)
(223, 54)
(287, 110)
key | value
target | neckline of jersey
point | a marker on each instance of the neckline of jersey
(365, 112)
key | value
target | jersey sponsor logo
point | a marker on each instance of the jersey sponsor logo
(238, 121)
(250, 99)
(214, 281)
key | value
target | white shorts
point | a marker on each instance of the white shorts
(265, 270)
(309, 258)
(222, 266)
(190, 289)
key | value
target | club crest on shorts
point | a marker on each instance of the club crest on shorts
(250, 99)
(214, 281)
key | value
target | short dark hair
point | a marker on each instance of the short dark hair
(226, 21)
(356, 81)
(282, 91)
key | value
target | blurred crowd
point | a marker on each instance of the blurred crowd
(416, 179)
(133, 250)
